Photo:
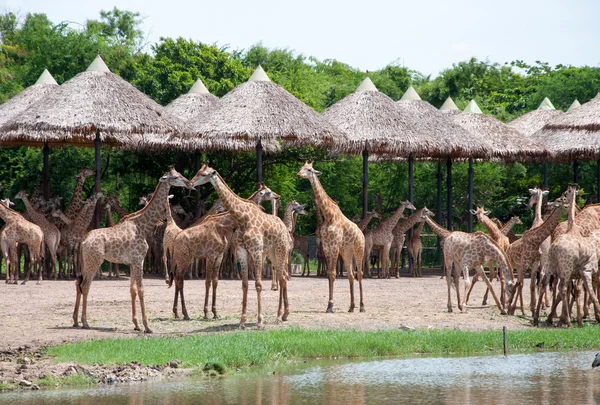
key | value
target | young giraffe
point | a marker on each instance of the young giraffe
(113, 268)
(399, 233)
(19, 231)
(506, 228)
(124, 243)
(292, 211)
(76, 203)
(339, 236)
(524, 253)
(51, 232)
(467, 251)
(572, 255)
(383, 236)
(260, 233)
(363, 223)
(415, 248)
(539, 272)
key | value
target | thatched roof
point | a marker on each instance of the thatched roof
(574, 134)
(411, 98)
(449, 105)
(369, 116)
(472, 107)
(574, 105)
(94, 100)
(508, 144)
(192, 103)
(261, 109)
(25, 99)
(533, 121)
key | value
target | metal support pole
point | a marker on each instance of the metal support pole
(45, 170)
(259, 168)
(576, 172)
(365, 188)
(449, 191)
(545, 173)
(196, 168)
(411, 191)
(438, 213)
(98, 162)
(470, 197)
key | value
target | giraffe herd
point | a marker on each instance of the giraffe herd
(560, 257)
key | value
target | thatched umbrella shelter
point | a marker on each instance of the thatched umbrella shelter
(94, 107)
(574, 105)
(375, 124)
(535, 120)
(21, 102)
(575, 135)
(260, 113)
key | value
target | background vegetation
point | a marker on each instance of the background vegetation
(32, 42)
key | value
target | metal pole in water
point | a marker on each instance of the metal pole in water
(504, 339)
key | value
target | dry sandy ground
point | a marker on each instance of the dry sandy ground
(37, 315)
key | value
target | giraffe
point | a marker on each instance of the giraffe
(124, 243)
(113, 268)
(76, 202)
(363, 223)
(415, 248)
(399, 233)
(588, 220)
(259, 233)
(539, 272)
(292, 211)
(51, 232)
(19, 231)
(383, 236)
(339, 236)
(321, 264)
(116, 206)
(467, 251)
(75, 230)
(573, 255)
(506, 228)
(524, 253)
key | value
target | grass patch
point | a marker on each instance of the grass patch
(246, 349)
(74, 380)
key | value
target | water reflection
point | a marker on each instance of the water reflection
(537, 378)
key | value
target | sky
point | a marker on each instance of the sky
(427, 36)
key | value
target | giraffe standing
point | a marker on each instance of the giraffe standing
(260, 233)
(19, 231)
(469, 251)
(399, 233)
(292, 211)
(51, 232)
(572, 255)
(339, 236)
(383, 236)
(124, 243)
(524, 254)
(415, 248)
(539, 272)
(76, 203)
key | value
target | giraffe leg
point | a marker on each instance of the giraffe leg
(183, 307)
(359, 275)
(577, 299)
(475, 278)
(467, 286)
(448, 267)
(532, 288)
(565, 316)
(139, 278)
(256, 259)
(215, 282)
(385, 254)
(207, 284)
(347, 260)
(491, 289)
(133, 293)
(588, 285)
(279, 265)
(176, 298)
(242, 265)
(543, 291)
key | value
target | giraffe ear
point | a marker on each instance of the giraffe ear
(545, 192)
(487, 212)
(473, 211)
(316, 172)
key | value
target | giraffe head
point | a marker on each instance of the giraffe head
(517, 220)
(218, 206)
(21, 195)
(264, 193)
(307, 171)
(535, 194)
(7, 202)
(425, 213)
(84, 173)
(480, 212)
(408, 205)
(174, 178)
(298, 208)
(202, 177)
(145, 199)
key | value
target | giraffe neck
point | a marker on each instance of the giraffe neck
(362, 225)
(392, 221)
(572, 213)
(294, 219)
(328, 207)
(154, 212)
(495, 253)
(408, 223)
(288, 219)
(77, 199)
(437, 229)
(68, 221)
(508, 226)
(84, 216)
(241, 209)
(418, 229)
(121, 212)
(492, 228)
(109, 218)
(537, 220)
(33, 214)
(539, 234)
(8, 214)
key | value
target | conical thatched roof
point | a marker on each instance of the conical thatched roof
(472, 107)
(410, 95)
(261, 109)
(369, 116)
(449, 105)
(192, 103)
(533, 121)
(94, 100)
(412, 100)
(574, 134)
(25, 99)
(574, 105)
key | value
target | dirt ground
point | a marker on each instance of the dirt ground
(40, 315)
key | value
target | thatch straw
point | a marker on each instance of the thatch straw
(574, 105)
(535, 120)
(508, 144)
(192, 103)
(94, 100)
(574, 135)
(25, 99)
(260, 110)
(370, 117)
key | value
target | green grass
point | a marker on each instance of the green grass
(75, 380)
(247, 349)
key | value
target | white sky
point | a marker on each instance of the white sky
(424, 35)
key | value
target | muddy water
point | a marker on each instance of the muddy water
(542, 378)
